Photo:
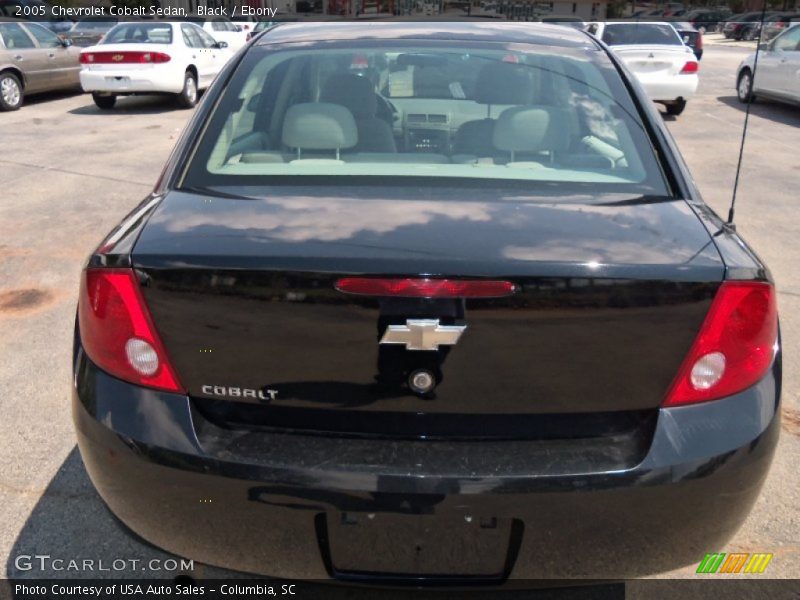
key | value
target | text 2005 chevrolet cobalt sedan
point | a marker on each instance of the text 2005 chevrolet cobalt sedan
(432, 301)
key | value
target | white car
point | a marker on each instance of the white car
(656, 54)
(222, 30)
(778, 70)
(147, 57)
(246, 24)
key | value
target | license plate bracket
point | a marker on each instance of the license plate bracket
(360, 545)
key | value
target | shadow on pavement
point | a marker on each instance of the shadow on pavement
(70, 522)
(34, 99)
(131, 105)
(778, 112)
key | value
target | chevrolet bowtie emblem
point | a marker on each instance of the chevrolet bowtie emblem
(423, 334)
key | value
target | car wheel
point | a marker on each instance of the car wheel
(744, 87)
(10, 92)
(676, 108)
(104, 102)
(188, 97)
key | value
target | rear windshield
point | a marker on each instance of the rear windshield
(546, 116)
(623, 34)
(140, 33)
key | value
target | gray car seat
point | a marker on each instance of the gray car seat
(319, 126)
(530, 134)
(312, 130)
(358, 95)
(498, 83)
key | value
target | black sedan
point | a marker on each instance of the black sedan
(746, 26)
(706, 20)
(89, 31)
(435, 301)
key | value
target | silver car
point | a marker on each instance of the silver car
(778, 73)
(33, 59)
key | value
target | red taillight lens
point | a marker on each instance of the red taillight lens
(124, 58)
(117, 331)
(425, 288)
(734, 348)
(690, 67)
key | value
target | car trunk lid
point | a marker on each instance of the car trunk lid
(654, 61)
(608, 302)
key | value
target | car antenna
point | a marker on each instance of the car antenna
(731, 211)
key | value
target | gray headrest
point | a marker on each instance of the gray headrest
(319, 126)
(354, 92)
(503, 83)
(528, 129)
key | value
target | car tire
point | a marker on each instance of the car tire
(744, 87)
(104, 102)
(11, 94)
(188, 96)
(676, 108)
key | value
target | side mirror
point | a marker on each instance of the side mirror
(221, 45)
(765, 46)
(66, 43)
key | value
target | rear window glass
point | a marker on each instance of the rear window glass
(640, 33)
(140, 33)
(519, 113)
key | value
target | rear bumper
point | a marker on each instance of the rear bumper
(670, 89)
(157, 80)
(265, 504)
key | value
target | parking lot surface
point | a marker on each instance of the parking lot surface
(69, 172)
